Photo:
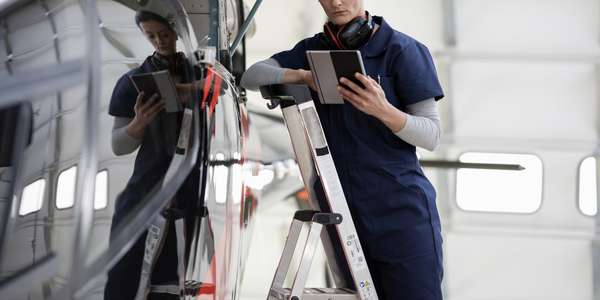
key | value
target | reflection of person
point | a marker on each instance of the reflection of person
(145, 125)
(372, 138)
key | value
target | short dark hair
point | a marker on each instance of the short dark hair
(145, 16)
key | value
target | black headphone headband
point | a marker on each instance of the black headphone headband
(350, 36)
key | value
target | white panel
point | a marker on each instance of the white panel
(119, 20)
(73, 98)
(560, 207)
(196, 6)
(500, 190)
(420, 19)
(24, 16)
(499, 267)
(72, 46)
(129, 37)
(111, 72)
(44, 109)
(45, 56)
(3, 54)
(528, 26)
(281, 24)
(65, 189)
(69, 17)
(31, 37)
(518, 100)
(104, 139)
(3, 70)
(115, 13)
(201, 25)
(71, 133)
(32, 198)
(588, 187)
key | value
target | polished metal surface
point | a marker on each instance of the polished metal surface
(68, 74)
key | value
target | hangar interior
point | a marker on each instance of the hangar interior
(522, 87)
(521, 82)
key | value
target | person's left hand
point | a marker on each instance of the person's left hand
(370, 100)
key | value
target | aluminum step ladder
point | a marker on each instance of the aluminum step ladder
(340, 240)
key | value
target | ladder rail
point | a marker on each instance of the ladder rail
(317, 167)
(302, 150)
(307, 257)
(323, 162)
(287, 255)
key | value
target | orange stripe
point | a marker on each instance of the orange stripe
(215, 96)
(206, 88)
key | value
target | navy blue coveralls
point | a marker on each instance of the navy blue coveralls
(391, 201)
(151, 163)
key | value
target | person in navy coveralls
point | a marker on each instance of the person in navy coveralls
(372, 138)
(144, 125)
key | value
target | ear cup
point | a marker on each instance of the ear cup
(355, 34)
(352, 35)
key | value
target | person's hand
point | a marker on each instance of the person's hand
(145, 112)
(370, 100)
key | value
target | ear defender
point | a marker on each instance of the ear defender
(350, 36)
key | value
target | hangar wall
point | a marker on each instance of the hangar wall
(521, 78)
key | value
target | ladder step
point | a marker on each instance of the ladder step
(316, 294)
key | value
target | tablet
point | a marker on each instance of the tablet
(329, 66)
(159, 82)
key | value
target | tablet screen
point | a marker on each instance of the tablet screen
(160, 83)
(346, 64)
(327, 69)
(145, 82)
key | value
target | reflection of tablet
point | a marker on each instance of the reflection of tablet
(158, 83)
(327, 69)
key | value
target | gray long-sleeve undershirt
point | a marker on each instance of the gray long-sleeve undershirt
(422, 128)
(123, 143)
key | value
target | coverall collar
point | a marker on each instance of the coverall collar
(380, 40)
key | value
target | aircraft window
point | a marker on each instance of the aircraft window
(65, 189)
(33, 195)
(588, 186)
(500, 190)
(101, 193)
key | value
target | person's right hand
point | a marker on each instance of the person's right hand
(145, 112)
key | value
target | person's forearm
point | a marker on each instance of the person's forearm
(293, 76)
(135, 131)
(393, 118)
(421, 132)
(263, 73)
(121, 141)
(422, 126)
